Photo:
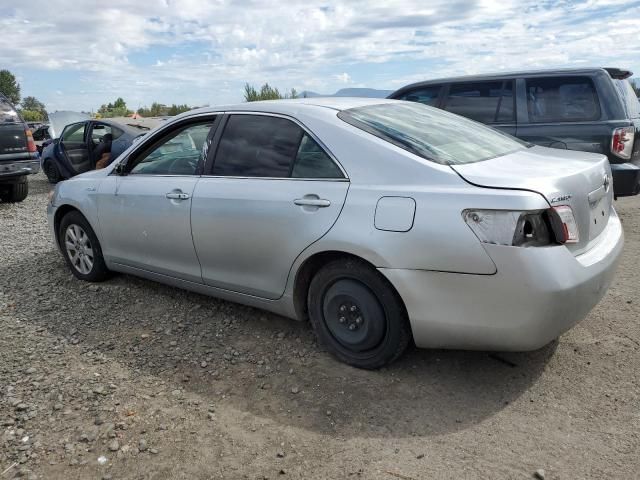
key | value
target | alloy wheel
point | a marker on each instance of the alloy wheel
(79, 248)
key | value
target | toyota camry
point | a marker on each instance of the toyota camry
(382, 222)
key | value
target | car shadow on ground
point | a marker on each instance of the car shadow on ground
(263, 364)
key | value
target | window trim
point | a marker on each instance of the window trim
(589, 78)
(208, 170)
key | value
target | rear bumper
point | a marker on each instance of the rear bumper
(626, 178)
(536, 295)
(19, 167)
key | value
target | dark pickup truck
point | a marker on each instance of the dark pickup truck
(18, 154)
(587, 109)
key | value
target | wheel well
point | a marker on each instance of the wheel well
(60, 213)
(310, 267)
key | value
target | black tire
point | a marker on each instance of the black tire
(79, 264)
(16, 192)
(51, 171)
(357, 315)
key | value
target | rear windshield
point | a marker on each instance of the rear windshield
(8, 113)
(432, 133)
(629, 98)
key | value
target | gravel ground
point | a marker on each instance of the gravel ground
(134, 380)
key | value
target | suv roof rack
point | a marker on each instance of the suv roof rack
(618, 73)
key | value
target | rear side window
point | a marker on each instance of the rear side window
(486, 102)
(7, 113)
(562, 99)
(426, 95)
(266, 146)
(629, 98)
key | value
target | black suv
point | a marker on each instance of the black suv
(18, 154)
(588, 109)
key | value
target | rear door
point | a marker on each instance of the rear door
(271, 192)
(74, 147)
(562, 112)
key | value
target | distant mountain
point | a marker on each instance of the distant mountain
(351, 92)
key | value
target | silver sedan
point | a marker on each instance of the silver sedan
(379, 221)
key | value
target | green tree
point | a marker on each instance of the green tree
(34, 105)
(115, 109)
(9, 86)
(32, 116)
(267, 92)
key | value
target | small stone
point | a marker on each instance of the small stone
(203, 364)
(142, 445)
(31, 370)
(102, 460)
(57, 406)
(144, 336)
(176, 393)
(295, 390)
(21, 407)
(539, 474)
(280, 454)
(420, 456)
(114, 446)
(153, 451)
(173, 343)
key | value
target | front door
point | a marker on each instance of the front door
(145, 215)
(74, 148)
(272, 192)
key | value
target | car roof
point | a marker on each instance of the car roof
(294, 106)
(129, 129)
(614, 72)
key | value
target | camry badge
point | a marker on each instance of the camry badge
(560, 198)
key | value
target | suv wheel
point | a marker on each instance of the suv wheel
(357, 315)
(81, 248)
(16, 192)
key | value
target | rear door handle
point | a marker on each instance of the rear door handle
(312, 202)
(177, 196)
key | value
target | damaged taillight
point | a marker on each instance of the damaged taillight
(564, 224)
(509, 227)
(622, 142)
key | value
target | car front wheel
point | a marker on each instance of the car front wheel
(81, 248)
(357, 315)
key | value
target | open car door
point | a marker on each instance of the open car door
(74, 147)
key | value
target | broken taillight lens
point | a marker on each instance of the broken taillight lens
(564, 224)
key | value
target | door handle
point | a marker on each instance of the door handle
(177, 196)
(312, 202)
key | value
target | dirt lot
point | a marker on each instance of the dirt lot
(131, 379)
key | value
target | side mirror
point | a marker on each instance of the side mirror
(120, 169)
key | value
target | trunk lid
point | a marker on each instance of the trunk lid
(564, 177)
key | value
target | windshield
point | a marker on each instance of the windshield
(629, 98)
(432, 133)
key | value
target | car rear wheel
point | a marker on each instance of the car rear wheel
(15, 192)
(51, 171)
(357, 315)
(81, 248)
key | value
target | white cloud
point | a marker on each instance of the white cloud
(204, 51)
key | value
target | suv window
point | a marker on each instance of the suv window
(74, 133)
(561, 99)
(8, 114)
(629, 98)
(480, 101)
(178, 153)
(426, 95)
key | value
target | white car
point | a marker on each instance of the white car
(380, 221)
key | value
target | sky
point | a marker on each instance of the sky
(79, 55)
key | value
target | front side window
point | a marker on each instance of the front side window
(178, 153)
(561, 99)
(480, 101)
(431, 133)
(424, 95)
(74, 133)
